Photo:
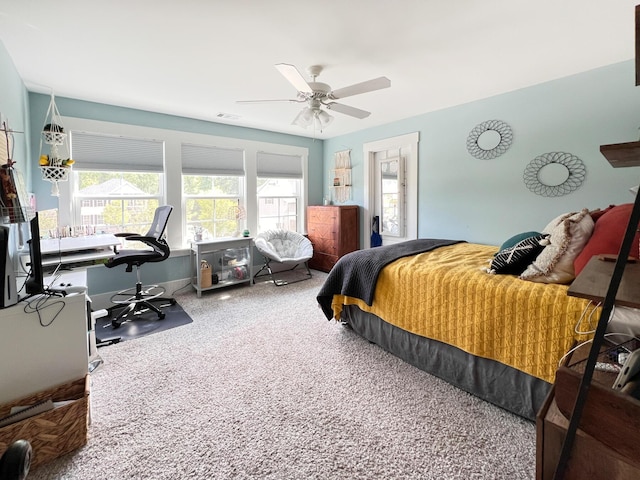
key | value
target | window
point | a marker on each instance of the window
(213, 206)
(117, 182)
(278, 203)
(211, 181)
(213, 191)
(117, 201)
(279, 191)
(391, 196)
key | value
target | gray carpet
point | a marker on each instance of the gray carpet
(262, 386)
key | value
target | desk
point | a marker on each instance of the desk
(34, 357)
(78, 249)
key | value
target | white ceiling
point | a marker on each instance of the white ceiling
(196, 58)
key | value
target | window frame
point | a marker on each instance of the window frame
(173, 140)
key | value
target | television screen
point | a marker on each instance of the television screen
(35, 282)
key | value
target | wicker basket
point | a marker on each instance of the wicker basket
(55, 432)
(55, 174)
(205, 275)
(54, 138)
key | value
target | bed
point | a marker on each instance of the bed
(437, 305)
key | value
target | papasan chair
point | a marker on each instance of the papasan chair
(287, 248)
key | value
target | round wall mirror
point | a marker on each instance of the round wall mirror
(489, 139)
(554, 174)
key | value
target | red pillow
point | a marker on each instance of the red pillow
(607, 236)
(596, 214)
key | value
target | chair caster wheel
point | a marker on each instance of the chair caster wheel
(16, 461)
(161, 316)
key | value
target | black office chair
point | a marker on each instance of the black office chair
(139, 299)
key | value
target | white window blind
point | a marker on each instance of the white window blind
(279, 166)
(208, 160)
(92, 151)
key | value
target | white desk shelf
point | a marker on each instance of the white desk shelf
(78, 249)
(230, 261)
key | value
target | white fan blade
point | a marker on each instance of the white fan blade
(347, 110)
(364, 87)
(275, 100)
(294, 77)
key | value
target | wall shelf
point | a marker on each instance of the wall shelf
(593, 282)
(621, 155)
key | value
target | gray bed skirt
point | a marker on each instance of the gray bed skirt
(490, 380)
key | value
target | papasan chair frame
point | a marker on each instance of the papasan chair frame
(286, 248)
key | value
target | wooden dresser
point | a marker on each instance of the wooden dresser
(333, 231)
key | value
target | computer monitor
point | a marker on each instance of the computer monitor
(8, 292)
(35, 281)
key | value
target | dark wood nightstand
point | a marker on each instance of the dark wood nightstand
(607, 444)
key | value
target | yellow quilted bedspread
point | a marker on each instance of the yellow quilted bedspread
(445, 295)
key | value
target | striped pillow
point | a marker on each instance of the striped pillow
(515, 260)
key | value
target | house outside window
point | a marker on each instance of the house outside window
(115, 202)
(278, 201)
(279, 192)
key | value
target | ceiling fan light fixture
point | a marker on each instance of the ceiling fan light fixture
(304, 119)
(317, 95)
(323, 118)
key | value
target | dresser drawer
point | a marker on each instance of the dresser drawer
(324, 245)
(322, 215)
(322, 261)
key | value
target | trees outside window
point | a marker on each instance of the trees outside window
(214, 205)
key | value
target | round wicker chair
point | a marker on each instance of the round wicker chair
(287, 248)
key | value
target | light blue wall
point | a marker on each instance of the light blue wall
(486, 201)
(14, 106)
(459, 196)
(39, 103)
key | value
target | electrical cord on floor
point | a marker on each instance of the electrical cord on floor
(181, 288)
(606, 335)
(39, 304)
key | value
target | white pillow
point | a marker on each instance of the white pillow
(569, 234)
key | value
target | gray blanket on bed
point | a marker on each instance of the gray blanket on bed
(356, 273)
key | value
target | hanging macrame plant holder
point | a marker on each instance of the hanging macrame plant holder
(56, 165)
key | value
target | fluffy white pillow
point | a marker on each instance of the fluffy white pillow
(569, 234)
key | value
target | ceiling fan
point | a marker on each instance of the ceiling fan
(317, 95)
